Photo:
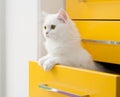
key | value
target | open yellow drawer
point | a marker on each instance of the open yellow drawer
(72, 80)
(93, 9)
(101, 39)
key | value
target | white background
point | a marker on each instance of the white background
(2, 48)
(20, 43)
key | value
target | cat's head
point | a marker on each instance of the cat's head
(55, 26)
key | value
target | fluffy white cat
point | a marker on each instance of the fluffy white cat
(62, 42)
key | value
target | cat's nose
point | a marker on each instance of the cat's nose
(46, 33)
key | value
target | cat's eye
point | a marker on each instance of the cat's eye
(44, 27)
(53, 27)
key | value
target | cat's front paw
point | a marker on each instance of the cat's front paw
(41, 61)
(48, 65)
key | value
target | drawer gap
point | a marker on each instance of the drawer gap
(110, 67)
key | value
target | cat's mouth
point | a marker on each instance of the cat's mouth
(47, 35)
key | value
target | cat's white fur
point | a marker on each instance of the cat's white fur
(63, 44)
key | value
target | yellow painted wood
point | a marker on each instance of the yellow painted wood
(78, 81)
(93, 9)
(100, 30)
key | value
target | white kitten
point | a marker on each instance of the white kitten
(63, 43)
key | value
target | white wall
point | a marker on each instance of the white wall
(22, 41)
(52, 5)
(21, 44)
(2, 48)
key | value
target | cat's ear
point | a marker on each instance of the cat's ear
(62, 15)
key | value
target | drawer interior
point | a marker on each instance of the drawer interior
(110, 67)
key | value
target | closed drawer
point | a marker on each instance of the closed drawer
(106, 47)
(93, 9)
(76, 81)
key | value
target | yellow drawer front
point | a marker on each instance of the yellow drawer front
(77, 81)
(93, 9)
(101, 31)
